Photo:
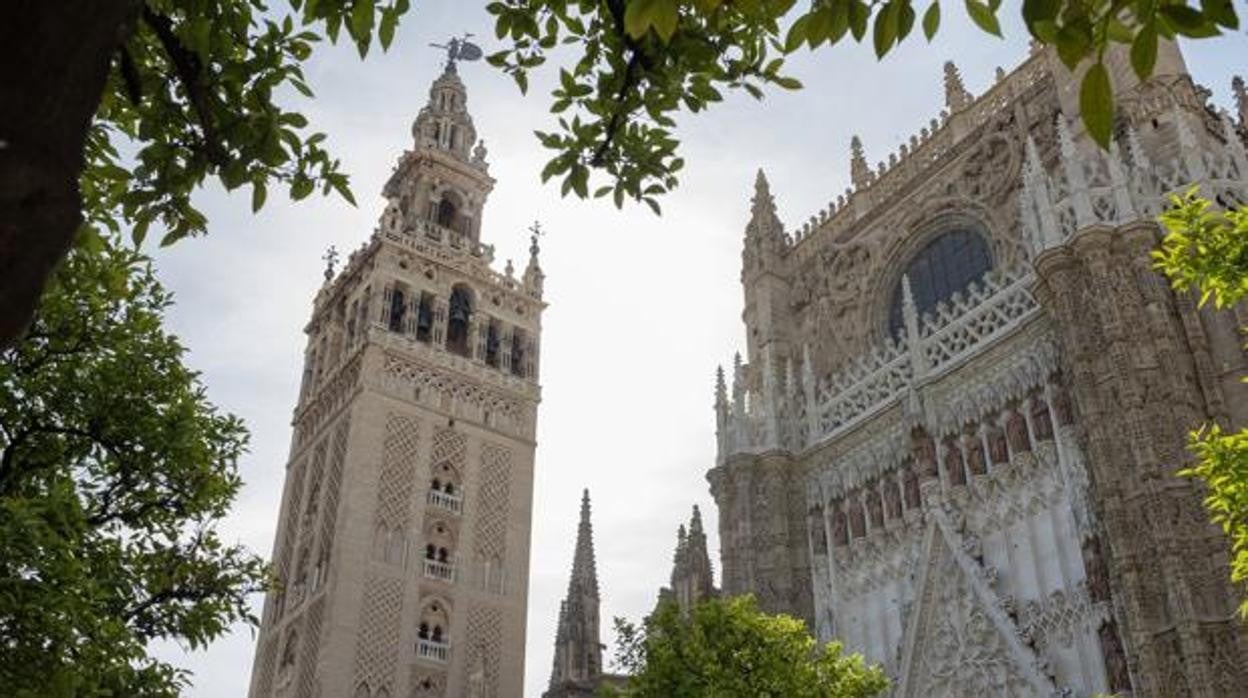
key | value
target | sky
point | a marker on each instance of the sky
(642, 308)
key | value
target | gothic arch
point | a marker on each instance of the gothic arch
(955, 215)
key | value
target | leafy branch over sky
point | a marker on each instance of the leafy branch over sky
(639, 63)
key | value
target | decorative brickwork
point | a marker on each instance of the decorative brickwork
(481, 661)
(398, 471)
(494, 499)
(377, 645)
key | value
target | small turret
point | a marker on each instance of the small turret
(534, 278)
(692, 576)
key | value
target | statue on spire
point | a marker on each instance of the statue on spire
(459, 50)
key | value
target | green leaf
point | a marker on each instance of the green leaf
(1144, 51)
(1096, 104)
(1188, 22)
(984, 16)
(931, 20)
(258, 193)
(385, 32)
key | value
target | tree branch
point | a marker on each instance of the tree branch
(189, 70)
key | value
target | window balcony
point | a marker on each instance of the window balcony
(442, 571)
(447, 502)
(433, 651)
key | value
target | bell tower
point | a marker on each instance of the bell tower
(402, 547)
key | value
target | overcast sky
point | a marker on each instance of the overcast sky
(641, 311)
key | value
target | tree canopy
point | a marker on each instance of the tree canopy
(727, 647)
(114, 471)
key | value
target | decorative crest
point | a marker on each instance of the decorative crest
(1241, 99)
(331, 259)
(956, 96)
(859, 172)
(459, 50)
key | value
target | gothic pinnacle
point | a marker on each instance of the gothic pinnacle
(956, 96)
(695, 523)
(1241, 99)
(584, 571)
(859, 172)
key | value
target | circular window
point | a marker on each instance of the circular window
(945, 266)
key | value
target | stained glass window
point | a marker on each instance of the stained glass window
(948, 264)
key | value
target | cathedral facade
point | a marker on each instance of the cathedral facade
(402, 548)
(953, 442)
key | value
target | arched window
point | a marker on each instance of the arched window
(424, 318)
(446, 213)
(945, 266)
(398, 310)
(491, 344)
(458, 314)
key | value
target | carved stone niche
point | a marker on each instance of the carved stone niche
(998, 451)
(953, 463)
(892, 498)
(1041, 423)
(1062, 408)
(914, 499)
(923, 447)
(1016, 432)
(875, 507)
(840, 525)
(857, 520)
(975, 459)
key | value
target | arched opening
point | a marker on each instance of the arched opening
(492, 342)
(459, 313)
(519, 349)
(398, 309)
(446, 213)
(424, 318)
(947, 265)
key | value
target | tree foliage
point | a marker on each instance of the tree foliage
(638, 63)
(156, 99)
(1207, 249)
(727, 647)
(114, 470)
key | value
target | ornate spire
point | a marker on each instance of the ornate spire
(763, 219)
(444, 124)
(578, 650)
(859, 171)
(956, 96)
(692, 577)
(1241, 99)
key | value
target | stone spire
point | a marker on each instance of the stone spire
(956, 96)
(692, 577)
(764, 223)
(859, 171)
(1241, 100)
(577, 666)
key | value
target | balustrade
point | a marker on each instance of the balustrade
(433, 651)
(448, 502)
(443, 571)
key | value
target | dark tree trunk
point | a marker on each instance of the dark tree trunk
(54, 59)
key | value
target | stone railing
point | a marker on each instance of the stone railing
(928, 347)
(444, 501)
(800, 414)
(433, 651)
(442, 571)
(1094, 188)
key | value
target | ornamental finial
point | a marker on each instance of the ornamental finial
(331, 259)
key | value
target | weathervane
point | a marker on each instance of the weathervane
(460, 50)
(536, 230)
(331, 258)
